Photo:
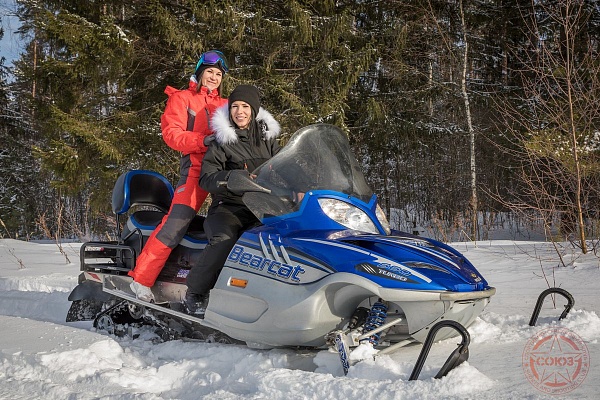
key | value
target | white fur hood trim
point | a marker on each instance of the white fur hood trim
(225, 133)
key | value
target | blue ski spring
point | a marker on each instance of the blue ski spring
(375, 319)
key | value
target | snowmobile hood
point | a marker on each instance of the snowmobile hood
(401, 262)
(421, 257)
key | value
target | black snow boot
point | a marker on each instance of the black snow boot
(195, 304)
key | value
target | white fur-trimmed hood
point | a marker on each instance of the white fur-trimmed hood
(225, 133)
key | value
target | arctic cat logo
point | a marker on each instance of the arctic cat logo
(276, 268)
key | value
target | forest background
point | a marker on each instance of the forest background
(464, 114)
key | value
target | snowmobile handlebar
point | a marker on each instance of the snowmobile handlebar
(242, 182)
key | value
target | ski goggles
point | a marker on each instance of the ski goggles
(213, 57)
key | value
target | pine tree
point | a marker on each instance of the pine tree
(389, 73)
(97, 72)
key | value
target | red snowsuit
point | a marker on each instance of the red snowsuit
(184, 125)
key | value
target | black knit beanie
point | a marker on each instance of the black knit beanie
(248, 94)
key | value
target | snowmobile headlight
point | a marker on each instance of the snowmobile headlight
(347, 215)
(383, 220)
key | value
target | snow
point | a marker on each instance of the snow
(42, 356)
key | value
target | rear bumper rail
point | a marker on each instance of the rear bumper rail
(109, 257)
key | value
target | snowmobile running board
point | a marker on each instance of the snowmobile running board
(119, 287)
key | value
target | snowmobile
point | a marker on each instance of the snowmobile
(322, 268)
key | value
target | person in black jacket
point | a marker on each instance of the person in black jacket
(245, 136)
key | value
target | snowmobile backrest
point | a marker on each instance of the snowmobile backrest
(141, 188)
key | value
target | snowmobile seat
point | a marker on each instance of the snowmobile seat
(145, 219)
(149, 220)
(143, 188)
(149, 194)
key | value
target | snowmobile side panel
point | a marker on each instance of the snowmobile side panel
(237, 306)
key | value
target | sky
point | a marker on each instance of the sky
(10, 44)
(42, 356)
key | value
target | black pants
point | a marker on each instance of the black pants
(224, 224)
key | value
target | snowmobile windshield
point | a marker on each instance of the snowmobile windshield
(317, 157)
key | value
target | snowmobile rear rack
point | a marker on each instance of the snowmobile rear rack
(109, 257)
(122, 257)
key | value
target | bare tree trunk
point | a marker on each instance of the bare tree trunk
(465, 95)
(34, 68)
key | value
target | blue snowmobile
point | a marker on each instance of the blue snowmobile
(322, 266)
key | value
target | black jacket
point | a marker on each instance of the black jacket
(231, 149)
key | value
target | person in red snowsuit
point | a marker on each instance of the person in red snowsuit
(185, 128)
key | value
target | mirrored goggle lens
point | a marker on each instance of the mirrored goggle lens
(213, 58)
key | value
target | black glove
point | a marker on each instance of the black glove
(208, 139)
(237, 181)
(241, 172)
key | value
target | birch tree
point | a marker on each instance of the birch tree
(469, 123)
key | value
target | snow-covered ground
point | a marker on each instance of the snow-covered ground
(42, 356)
